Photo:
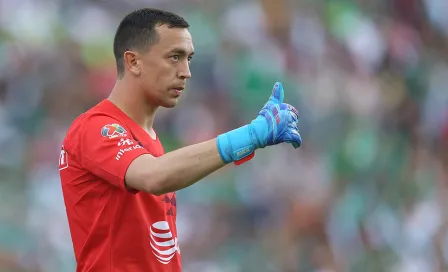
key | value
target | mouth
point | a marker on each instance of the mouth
(178, 90)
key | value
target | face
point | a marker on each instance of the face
(162, 71)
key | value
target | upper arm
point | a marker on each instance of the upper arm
(107, 149)
(137, 174)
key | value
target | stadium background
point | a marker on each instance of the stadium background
(366, 192)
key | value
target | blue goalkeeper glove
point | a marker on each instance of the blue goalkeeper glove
(276, 123)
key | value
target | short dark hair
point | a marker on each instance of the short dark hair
(137, 31)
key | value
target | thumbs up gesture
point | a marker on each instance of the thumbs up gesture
(277, 122)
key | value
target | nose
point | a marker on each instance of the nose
(184, 72)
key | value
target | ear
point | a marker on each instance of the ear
(131, 62)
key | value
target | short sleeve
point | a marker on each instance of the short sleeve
(107, 149)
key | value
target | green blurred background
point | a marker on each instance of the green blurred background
(366, 191)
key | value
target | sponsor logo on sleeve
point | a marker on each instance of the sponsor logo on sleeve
(113, 131)
(126, 146)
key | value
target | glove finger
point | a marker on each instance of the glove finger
(293, 137)
(295, 111)
(294, 126)
(296, 139)
(285, 106)
(294, 116)
(278, 94)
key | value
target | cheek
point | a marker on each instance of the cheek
(158, 76)
(160, 71)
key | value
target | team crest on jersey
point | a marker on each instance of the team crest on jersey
(113, 130)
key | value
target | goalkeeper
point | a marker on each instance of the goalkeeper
(118, 185)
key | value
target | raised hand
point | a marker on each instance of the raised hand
(276, 123)
(282, 122)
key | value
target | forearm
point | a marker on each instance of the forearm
(276, 123)
(183, 167)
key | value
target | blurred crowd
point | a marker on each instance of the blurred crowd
(366, 191)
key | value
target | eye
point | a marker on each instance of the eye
(190, 58)
(175, 57)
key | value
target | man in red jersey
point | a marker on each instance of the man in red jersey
(118, 185)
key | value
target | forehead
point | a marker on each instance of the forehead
(174, 38)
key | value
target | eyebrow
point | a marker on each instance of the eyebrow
(181, 52)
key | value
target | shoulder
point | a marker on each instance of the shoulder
(93, 125)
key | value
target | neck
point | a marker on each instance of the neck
(128, 98)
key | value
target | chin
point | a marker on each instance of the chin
(171, 103)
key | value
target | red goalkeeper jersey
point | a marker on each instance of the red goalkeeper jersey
(114, 229)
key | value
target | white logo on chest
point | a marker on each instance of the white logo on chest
(163, 243)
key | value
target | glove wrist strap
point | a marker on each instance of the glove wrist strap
(236, 145)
